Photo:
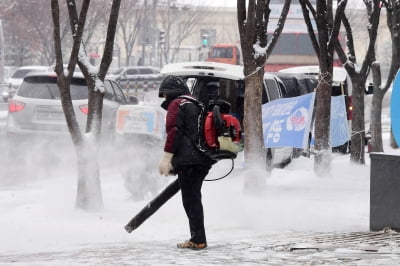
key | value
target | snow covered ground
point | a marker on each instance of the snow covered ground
(3, 118)
(40, 226)
(39, 215)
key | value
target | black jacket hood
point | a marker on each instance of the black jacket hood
(172, 87)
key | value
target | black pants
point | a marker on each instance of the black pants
(191, 180)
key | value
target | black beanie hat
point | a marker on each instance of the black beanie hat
(173, 86)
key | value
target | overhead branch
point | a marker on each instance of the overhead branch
(55, 11)
(64, 81)
(279, 28)
(261, 12)
(241, 14)
(251, 21)
(77, 26)
(393, 20)
(373, 19)
(349, 39)
(307, 8)
(336, 24)
(109, 45)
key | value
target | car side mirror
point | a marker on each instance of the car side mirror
(133, 100)
(369, 89)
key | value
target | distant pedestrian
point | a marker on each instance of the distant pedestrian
(182, 157)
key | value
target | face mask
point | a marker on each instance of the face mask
(164, 104)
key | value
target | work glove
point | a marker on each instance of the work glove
(226, 143)
(165, 166)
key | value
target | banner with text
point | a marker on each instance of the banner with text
(339, 128)
(286, 121)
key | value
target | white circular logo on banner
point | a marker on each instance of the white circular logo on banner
(297, 120)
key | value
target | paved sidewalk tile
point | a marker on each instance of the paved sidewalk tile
(356, 248)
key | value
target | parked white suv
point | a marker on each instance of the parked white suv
(36, 117)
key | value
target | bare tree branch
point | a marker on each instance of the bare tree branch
(350, 41)
(278, 30)
(306, 8)
(64, 81)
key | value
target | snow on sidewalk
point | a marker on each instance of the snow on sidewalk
(298, 219)
(362, 248)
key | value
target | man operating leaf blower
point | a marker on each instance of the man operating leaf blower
(182, 157)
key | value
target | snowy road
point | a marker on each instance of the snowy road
(361, 248)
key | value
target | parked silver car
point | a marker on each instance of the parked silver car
(137, 80)
(36, 115)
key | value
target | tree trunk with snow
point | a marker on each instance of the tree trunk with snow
(253, 22)
(322, 163)
(358, 77)
(328, 29)
(89, 196)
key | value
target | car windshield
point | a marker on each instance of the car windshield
(46, 88)
(19, 74)
(222, 52)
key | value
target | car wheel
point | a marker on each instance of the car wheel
(286, 162)
(269, 159)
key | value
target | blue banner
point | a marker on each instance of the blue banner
(339, 129)
(395, 108)
(286, 121)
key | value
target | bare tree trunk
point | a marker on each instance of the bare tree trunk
(376, 110)
(89, 196)
(254, 144)
(252, 117)
(393, 142)
(358, 77)
(376, 122)
(328, 29)
(253, 24)
(358, 127)
(322, 163)
(393, 18)
(251, 29)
